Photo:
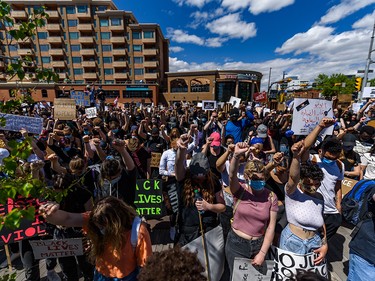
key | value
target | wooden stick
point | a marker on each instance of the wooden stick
(204, 248)
(7, 253)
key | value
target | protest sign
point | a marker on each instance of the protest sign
(57, 248)
(307, 114)
(91, 112)
(27, 228)
(235, 101)
(149, 198)
(81, 98)
(17, 122)
(288, 264)
(347, 185)
(199, 104)
(209, 105)
(244, 270)
(260, 97)
(357, 106)
(368, 92)
(64, 109)
(155, 160)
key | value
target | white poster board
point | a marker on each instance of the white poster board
(57, 248)
(209, 105)
(244, 270)
(356, 106)
(91, 112)
(199, 104)
(288, 264)
(307, 114)
(368, 92)
(235, 101)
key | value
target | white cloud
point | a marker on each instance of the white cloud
(344, 9)
(180, 36)
(196, 3)
(176, 49)
(256, 6)
(203, 17)
(232, 26)
(215, 42)
(365, 22)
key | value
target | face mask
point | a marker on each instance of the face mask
(347, 148)
(257, 184)
(115, 131)
(86, 133)
(328, 161)
(66, 149)
(216, 147)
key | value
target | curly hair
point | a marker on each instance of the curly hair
(173, 264)
(116, 217)
(332, 145)
(311, 171)
(110, 167)
(208, 192)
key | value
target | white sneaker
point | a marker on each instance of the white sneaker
(172, 232)
(13, 257)
(53, 276)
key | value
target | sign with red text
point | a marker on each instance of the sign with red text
(260, 97)
(27, 228)
(57, 248)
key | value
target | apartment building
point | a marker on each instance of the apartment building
(89, 42)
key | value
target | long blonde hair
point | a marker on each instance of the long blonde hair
(253, 167)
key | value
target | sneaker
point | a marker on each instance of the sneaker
(172, 232)
(53, 276)
(13, 257)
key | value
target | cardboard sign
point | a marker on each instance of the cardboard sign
(155, 159)
(347, 185)
(357, 106)
(368, 92)
(57, 248)
(17, 122)
(27, 228)
(288, 264)
(64, 109)
(307, 114)
(260, 97)
(244, 270)
(209, 105)
(91, 112)
(149, 198)
(235, 101)
(81, 98)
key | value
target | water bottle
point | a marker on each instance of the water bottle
(198, 197)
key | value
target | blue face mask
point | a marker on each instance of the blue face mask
(115, 131)
(257, 184)
(68, 136)
(328, 161)
(86, 132)
(67, 148)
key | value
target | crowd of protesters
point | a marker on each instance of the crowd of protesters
(242, 168)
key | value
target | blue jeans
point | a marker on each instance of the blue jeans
(360, 269)
(131, 277)
(291, 242)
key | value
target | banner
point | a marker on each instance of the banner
(81, 98)
(368, 92)
(288, 264)
(57, 248)
(244, 270)
(307, 114)
(64, 109)
(260, 97)
(149, 198)
(91, 112)
(27, 228)
(17, 122)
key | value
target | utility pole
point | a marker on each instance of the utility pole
(368, 62)
(269, 78)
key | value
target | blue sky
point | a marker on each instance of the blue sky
(301, 37)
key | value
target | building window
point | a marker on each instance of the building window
(138, 59)
(137, 35)
(104, 22)
(107, 59)
(178, 86)
(44, 48)
(116, 21)
(61, 11)
(13, 48)
(137, 48)
(44, 93)
(82, 9)
(46, 59)
(79, 81)
(148, 34)
(77, 71)
(108, 71)
(64, 35)
(200, 85)
(101, 8)
(224, 90)
(72, 23)
(98, 60)
(138, 71)
(73, 35)
(42, 35)
(76, 59)
(70, 10)
(105, 35)
(106, 48)
(75, 48)
(129, 93)
(110, 82)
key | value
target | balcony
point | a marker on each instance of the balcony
(117, 27)
(119, 52)
(90, 75)
(118, 40)
(55, 39)
(89, 64)
(53, 27)
(84, 26)
(18, 14)
(24, 41)
(53, 14)
(150, 64)
(149, 40)
(121, 76)
(120, 64)
(87, 52)
(150, 52)
(86, 15)
(58, 63)
(89, 40)
(56, 52)
(63, 76)
(25, 52)
(151, 75)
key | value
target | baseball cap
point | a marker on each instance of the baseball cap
(216, 139)
(234, 112)
(262, 131)
(289, 133)
(256, 140)
(349, 140)
(155, 130)
(199, 165)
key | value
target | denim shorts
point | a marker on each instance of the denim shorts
(291, 242)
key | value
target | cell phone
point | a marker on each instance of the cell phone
(303, 105)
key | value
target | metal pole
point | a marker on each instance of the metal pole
(368, 62)
(269, 78)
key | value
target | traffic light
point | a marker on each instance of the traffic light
(358, 83)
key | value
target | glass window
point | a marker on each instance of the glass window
(138, 71)
(116, 21)
(46, 59)
(137, 35)
(41, 35)
(107, 59)
(70, 10)
(109, 82)
(75, 48)
(37, 60)
(148, 34)
(13, 48)
(79, 81)
(106, 48)
(73, 35)
(72, 23)
(44, 48)
(137, 48)
(61, 11)
(101, 8)
(104, 22)
(64, 34)
(76, 59)
(98, 60)
(108, 71)
(77, 71)
(105, 35)
(82, 9)
(44, 93)
(138, 59)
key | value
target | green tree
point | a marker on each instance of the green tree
(372, 82)
(336, 84)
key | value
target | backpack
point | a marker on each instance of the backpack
(355, 203)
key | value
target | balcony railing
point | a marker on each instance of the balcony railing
(151, 75)
(58, 63)
(93, 75)
(121, 76)
(150, 52)
(118, 40)
(87, 52)
(88, 39)
(119, 52)
(53, 14)
(120, 64)
(55, 39)
(89, 64)
(56, 52)
(18, 14)
(84, 26)
(53, 26)
(150, 63)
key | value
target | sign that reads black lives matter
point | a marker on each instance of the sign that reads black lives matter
(149, 198)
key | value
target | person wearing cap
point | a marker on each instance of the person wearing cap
(350, 158)
(268, 145)
(213, 150)
(235, 127)
(196, 181)
(155, 145)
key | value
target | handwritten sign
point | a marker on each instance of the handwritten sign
(288, 264)
(209, 105)
(368, 92)
(57, 248)
(243, 270)
(260, 97)
(307, 114)
(235, 101)
(81, 98)
(64, 109)
(17, 122)
(347, 185)
(149, 198)
(27, 228)
(91, 112)
(155, 160)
